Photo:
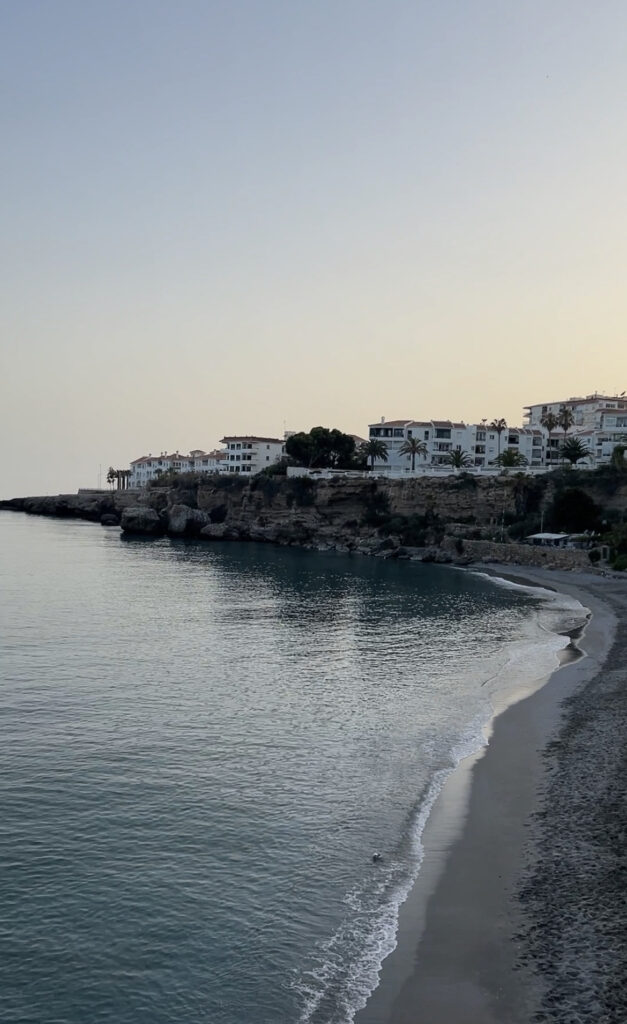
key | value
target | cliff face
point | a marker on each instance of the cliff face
(369, 515)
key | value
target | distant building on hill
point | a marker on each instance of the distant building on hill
(249, 454)
(599, 421)
(148, 467)
(442, 437)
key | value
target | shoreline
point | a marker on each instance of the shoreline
(460, 958)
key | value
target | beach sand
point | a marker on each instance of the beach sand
(518, 912)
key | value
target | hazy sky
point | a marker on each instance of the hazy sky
(247, 215)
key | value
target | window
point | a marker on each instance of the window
(442, 432)
(426, 435)
(397, 432)
(267, 458)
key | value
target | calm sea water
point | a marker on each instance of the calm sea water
(202, 747)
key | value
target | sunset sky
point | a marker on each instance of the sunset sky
(251, 215)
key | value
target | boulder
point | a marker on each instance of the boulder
(140, 519)
(184, 521)
(109, 519)
(213, 531)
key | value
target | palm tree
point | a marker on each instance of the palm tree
(565, 419)
(111, 476)
(412, 446)
(459, 459)
(574, 449)
(498, 426)
(549, 421)
(510, 458)
(375, 449)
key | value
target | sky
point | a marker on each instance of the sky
(246, 216)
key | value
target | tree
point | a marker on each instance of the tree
(618, 457)
(321, 448)
(459, 459)
(498, 426)
(550, 421)
(574, 449)
(375, 449)
(510, 458)
(573, 511)
(412, 446)
(565, 419)
(111, 476)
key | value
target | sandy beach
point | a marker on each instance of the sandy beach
(518, 912)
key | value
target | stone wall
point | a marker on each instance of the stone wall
(525, 554)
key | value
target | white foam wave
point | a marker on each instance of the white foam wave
(349, 963)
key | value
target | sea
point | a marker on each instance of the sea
(202, 748)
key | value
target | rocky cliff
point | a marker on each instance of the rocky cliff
(450, 518)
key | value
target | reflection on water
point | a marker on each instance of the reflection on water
(202, 747)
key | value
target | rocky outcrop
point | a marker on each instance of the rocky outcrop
(183, 521)
(140, 519)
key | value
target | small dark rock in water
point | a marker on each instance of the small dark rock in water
(376, 857)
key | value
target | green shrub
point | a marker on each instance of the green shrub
(620, 563)
(594, 555)
(276, 469)
(265, 485)
(573, 511)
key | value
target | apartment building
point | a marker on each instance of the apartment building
(599, 421)
(249, 454)
(441, 437)
(146, 468)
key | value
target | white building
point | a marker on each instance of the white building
(599, 421)
(441, 437)
(249, 454)
(150, 466)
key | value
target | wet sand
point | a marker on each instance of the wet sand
(524, 853)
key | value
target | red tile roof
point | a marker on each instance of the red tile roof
(251, 439)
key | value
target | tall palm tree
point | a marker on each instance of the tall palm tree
(549, 421)
(565, 419)
(412, 446)
(375, 449)
(574, 449)
(459, 459)
(111, 476)
(498, 426)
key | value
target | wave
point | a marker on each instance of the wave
(346, 968)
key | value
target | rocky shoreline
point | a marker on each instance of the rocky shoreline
(456, 519)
